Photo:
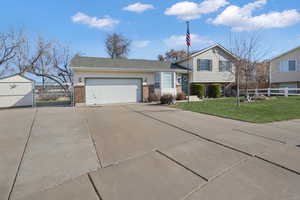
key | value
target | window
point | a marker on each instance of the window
(157, 80)
(225, 66)
(287, 66)
(292, 65)
(179, 79)
(291, 86)
(168, 79)
(204, 65)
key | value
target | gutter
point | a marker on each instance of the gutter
(125, 70)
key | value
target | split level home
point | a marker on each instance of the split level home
(285, 69)
(105, 80)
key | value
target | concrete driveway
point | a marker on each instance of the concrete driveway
(134, 152)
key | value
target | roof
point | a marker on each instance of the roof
(283, 54)
(195, 53)
(18, 74)
(108, 64)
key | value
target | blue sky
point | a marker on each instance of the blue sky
(154, 26)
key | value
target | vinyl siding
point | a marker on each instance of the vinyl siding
(215, 75)
(280, 77)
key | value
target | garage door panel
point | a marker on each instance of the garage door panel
(105, 91)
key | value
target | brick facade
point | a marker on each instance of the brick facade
(147, 91)
(178, 89)
(79, 94)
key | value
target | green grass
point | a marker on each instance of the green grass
(275, 109)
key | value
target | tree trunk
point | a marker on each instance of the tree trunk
(238, 90)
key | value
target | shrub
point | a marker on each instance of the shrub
(198, 89)
(153, 97)
(180, 96)
(167, 99)
(214, 91)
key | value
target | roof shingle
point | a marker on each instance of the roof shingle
(124, 64)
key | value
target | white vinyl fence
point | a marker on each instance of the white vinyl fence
(275, 91)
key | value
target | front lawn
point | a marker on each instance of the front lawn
(275, 109)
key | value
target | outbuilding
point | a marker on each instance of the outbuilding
(16, 91)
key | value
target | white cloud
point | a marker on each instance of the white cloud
(105, 23)
(141, 44)
(176, 41)
(138, 7)
(187, 10)
(241, 18)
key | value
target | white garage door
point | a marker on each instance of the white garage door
(105, 91)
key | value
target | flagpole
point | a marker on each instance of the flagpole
(188, 63)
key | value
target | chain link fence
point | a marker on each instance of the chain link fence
(51, 94)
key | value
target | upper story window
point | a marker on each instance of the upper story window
(225, 66)
(292, 65)
(168, 79)
(204, 65)
(287, 66)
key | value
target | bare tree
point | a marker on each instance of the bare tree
(46, 59)
(9, 44)
(262, 74)
(173, 55)
(117, 46)
(29, 56)
(249, 50)
(52, 61)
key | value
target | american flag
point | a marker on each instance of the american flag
(188, 35)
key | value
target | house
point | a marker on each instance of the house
(212, 65)
(285, 69)
(16, 91)
(105, 80)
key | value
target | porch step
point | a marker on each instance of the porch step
(194, 98)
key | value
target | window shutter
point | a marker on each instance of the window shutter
(198, 64)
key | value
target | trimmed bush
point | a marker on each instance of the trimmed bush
(214, 91)
(180, 96)
(198, 89)
(167, 99)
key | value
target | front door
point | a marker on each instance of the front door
(184, 83)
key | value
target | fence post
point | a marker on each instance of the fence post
(286, 92)
(256, 92)
(269, 92)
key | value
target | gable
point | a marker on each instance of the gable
(213, 54)
(15, 78)
(294, 53)
(215, 49)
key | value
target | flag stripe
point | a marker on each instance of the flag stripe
(188, 37)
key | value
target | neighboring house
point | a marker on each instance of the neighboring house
(285, 69)
(15, 91)
(105, 80)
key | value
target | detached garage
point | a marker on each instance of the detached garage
(16, 91)
(108, 81)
